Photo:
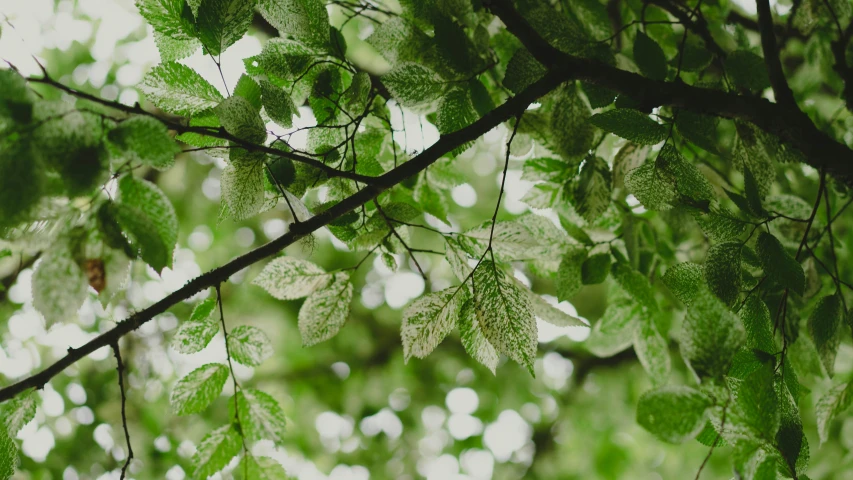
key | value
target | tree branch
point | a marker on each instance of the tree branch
(215, 132)
(790, 125)
(698, 26)
(784, 95)
(447, 143)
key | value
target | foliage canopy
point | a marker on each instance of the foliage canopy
(687, 168)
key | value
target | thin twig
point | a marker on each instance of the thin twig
(120, 369)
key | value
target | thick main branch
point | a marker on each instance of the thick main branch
(447, 143)
(789, 124)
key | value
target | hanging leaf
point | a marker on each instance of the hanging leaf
(473, 339)
(249, 345)
(215, 451)
(326, 310)
(723, 271)
(192, 336)
(19, 411)
(711, 335)
(304, 20)
(428, 320)
(221, 23)
(649, 57)
(178, 89)
(288, 278)
(673, 414)
(834, 402)
(59, 286)
(145, 140)
(652, 350)
(195, 391)
(684, 280)
(261, 418)
(145, 214)
(778, 265)
(505, 314)
(824, 323)
(630, 124)
(569, 276)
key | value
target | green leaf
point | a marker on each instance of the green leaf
(684, 176)
(652, 350)
(719, 224)
(595, 268)
(144, 139)
(651, 187)
(326, 310)
(630, 124)
(747, 70)
(711, 335)
(543, 195)
(723, 271)
(593, 16)
(59, 286)
(221, 23)
(249, 89)
(473, 339)
(249, 345)
(684, 280)
(428, 320)
(756, 406)
(756, 321)
(399, 40)
(528, 237)
(569, 276)
(698, 128)
(413, 85)
(204, 119)
(649, 57)
(278, 104)
(286, 59)
(778, 265)
(19, 411)
(591, 192)
(192, 336)
(505, 314)
(615, 330)
(261, 417)
(455, 112)
(8, 455)
(148, 218)
(239, 118)
(673, 414)
(215, 451)
(570, 130)
(178, 89)
(261, 468)
(242, 187)
(791, 441)
(174, 27)
(22, 182)
(305, 20)
(824, 327)
(195, 391)
(635, 284)
(753, 196)
(288, 278)
(834, 402)
(544, 169)
(546, 312)
(430, 199)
